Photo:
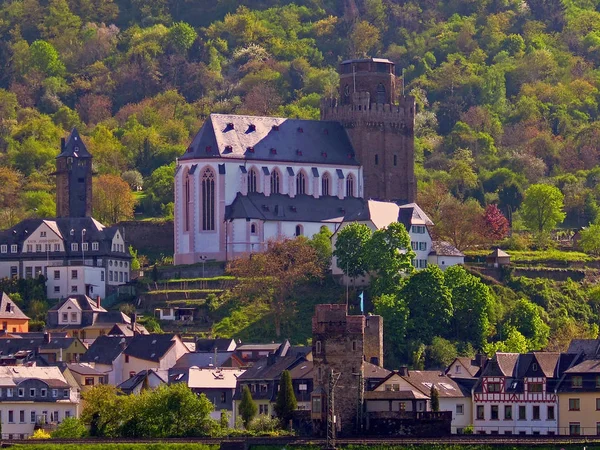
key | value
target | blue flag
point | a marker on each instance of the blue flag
(362, 302)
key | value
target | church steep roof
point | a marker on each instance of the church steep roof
(74, 147)
(255, 138)
(301, 208)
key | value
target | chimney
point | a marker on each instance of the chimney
(62, 144)
(403, 371)
(480, 359)
(133, 318)
(47, 337)
(98, 302)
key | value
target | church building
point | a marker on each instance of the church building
(74, 252)
(245, 180)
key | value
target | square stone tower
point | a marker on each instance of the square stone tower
(380, 126)
(341, 343)
(73, 178)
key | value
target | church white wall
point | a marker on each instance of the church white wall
(192, 244)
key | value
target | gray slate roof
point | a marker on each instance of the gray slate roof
(94, 232)
(105, 349)
(150, 347)
(9, 310)
(443, 248)
(74, 147)
(255, 138)
(279, 207)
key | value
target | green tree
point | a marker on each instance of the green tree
(159, 187)
(70, 428)
(429, 302)
(44, 57)
(515, 342)
(394, 311)
(542, 208)
(321, 242)
(434, 398)
(351, 249)
(248, 408)
(526, 318)
(39, 203)
(286, 403)
(389, 256)
(181, 36)
(440, 353)
(471, 301)
(590, 239)
(102, 412)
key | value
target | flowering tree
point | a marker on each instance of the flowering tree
(495, 224)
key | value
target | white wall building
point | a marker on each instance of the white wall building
(71, 253)
(31, 396)
(515, 395)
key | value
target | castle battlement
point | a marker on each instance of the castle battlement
(402, 112)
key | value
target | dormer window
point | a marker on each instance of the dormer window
(251, 127)
(228, 149)
(230, 126)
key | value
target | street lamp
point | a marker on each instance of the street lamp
(203, 259)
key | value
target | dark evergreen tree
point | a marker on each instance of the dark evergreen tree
(248, 408)
(434, 398)
(286, 403)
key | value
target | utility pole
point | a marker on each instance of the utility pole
(331, 420)
(359, 406)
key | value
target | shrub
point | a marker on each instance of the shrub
(264, 424)
(40, 434)
(70, 428)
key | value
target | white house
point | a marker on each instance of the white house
(377, 215)
(409, 391)
(31, 396)
(76, 255)
(121, 358)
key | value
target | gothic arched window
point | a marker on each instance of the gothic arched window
(275, 182)
(187, 200)
(350, 186)
(325, 184)
(381, 93)
(252, 180)
(208, 200)
(300, 183)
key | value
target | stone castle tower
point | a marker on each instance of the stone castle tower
(73, 178)
(380, 126)
(343, 343)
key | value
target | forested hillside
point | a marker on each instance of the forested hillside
(507, 90)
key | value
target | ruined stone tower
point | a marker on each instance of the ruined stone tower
(380, 126)
(342, 343)
(73, 178)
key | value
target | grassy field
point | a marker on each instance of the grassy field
(518, 256)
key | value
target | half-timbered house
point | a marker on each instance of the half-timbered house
(515, 394)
